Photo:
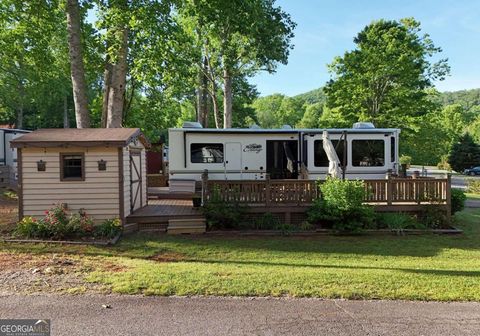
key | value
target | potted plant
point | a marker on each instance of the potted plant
(197, 201)
(405, 162)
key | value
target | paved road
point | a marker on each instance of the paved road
(137, 315)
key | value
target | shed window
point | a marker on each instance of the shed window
(206, 152)
(72, 167)
(368, 153)
(320, 157)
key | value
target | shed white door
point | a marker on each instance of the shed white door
(135, 180)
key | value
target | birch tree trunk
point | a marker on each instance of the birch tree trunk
(21, 91)
(66, 123)
(77, 69)
(202, 95)
(116, 91)
(227, 99)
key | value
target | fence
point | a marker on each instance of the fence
(388, 192)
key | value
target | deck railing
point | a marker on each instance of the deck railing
(391, 191)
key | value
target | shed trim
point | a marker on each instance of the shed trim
(20, 183)
(121, 195)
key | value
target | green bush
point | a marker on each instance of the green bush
(443, 164)
(341, 206)
(434, 218)
(58, 225)
(398, 222)
(267, 222)
(474, 186)
(222, 215)
(458, 200)
(405, 159)
(108, 229)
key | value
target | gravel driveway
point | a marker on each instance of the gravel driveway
(137, 315)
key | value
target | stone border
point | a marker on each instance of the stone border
(329, 232)
(112, 241)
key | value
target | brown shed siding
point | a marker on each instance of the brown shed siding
(98, 195)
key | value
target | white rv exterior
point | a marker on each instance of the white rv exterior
(8, 155)
(249, 154)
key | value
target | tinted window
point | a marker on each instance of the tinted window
(392, 149)
(320, 157)
(368, 153)
(72, 167)
(206, 153)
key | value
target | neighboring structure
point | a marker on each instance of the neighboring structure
(8, 157)
(365, 152)
(101, 172)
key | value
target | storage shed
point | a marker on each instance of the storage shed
(99, 171)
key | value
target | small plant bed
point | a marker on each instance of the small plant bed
(58, 226)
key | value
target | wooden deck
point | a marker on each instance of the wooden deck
(155, 216)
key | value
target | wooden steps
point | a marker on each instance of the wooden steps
(191, 225)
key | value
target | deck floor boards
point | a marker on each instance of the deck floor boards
(167, 208)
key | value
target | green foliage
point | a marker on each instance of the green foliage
(458, 200)
(474, 186)
(434, 218)
(384, 79)
(221, 214)
(397, 221)
(341, 206)
(108, 228)
(443, 164)
(58, 225)
(464, 154)
(405, 159)
(266, 222)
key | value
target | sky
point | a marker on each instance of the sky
(326, 28)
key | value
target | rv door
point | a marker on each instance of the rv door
(233, 160)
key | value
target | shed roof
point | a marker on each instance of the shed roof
(90, 137)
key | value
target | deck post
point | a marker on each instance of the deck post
(204, 186)
(267, 190)
(448, 194)
(389, 189)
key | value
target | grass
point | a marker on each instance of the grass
(430, 267)
(472, 196)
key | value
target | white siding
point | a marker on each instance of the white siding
(98, 195)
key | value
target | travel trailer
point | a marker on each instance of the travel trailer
(365, 152)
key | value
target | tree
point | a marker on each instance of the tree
(464, 154)
(311, 117)
(246, 36)
(76, 64)
(384, 80)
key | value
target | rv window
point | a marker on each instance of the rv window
(206, 153)
(368, 153)
(72, 167)
(392, 149)
(320, 157)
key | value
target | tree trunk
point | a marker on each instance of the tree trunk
(107, 79)
(76, 65)
(116, 97)
(216, 111)
(66, 123)
(202, 95)
(227, 99)
(21, 91)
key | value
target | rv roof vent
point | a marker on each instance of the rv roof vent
(286, 127)
(255, 126)
(192, 124)
(363, 125)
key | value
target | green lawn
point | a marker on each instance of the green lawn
(473, 196)
(363, 267)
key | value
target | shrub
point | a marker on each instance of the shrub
(31, 228)
(341, 206)
(266, 222)
(109, 228)
(58, 225)
(443, 164)
(405, 159)
(464, 154)
(458, 200)
(474, 186)
(434, 218)
(222, 215)
(398, 222)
